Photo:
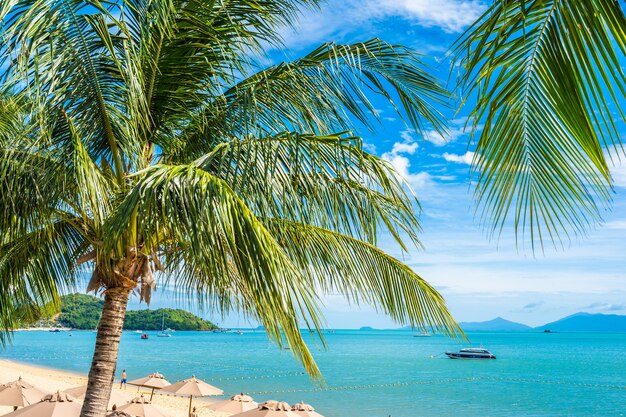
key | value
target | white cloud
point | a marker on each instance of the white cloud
(600, 306)
(616, 225)
(404, 147)
(369, 147)
(408, 145)
(438, 139)
(407, 135)
(451, 16)
(416, 180)
(466, 158)
(617, 165)
(435, 138)
(398, 159)
(619, 174)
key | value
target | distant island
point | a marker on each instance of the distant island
(497, 324)
(579, 322)
(82, 312)
(586, 322)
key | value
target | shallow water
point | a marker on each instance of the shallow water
(376, 373)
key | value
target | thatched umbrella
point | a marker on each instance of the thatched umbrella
(140, 407)
(116, 397)
(193, 387)
(154, 381)
(270, 409)
(52, 405)
(235, 404)
(19, 394)
(118, 413)
(305, 410)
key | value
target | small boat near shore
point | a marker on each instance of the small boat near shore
(163, 332)
(144, 336)
(471, 353)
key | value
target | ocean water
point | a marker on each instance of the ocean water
(376, 373)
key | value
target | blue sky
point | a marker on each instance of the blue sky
(480, 279)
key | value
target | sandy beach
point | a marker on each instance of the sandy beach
(51, 380)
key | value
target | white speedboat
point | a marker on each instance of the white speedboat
(471, 353)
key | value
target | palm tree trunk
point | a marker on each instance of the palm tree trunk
(104, 359)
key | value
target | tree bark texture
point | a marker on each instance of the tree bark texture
(104, 359)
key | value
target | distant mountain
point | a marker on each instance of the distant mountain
(586, 322)
(497, 325)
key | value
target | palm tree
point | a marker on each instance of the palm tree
(549, 85)
(140, 139)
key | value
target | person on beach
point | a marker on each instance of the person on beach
(194, 413)
(123, 381)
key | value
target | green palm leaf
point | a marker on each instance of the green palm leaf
(55, 45)
(328, 181)
(226, 250)
(34, 268)
(185, 50)
(363, 273)
(547, 76)
(322, 92)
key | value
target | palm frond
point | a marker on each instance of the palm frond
(12, 119)
(323, 92)
(34, 267)
(549, 81)
(226, 250)
(187, 50)
(94, 189)
(65, 62)
(328, 181)
(363, 274)
(32, 188)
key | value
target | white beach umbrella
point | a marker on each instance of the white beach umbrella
(140, 407)
(154, 381)
(193, 387)
(52, 405)
(116, 397)
(305, 410)
(118, 413)
(270, 409)
(19, 394)
(235, 404)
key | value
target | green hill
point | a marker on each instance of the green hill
(80, 311)
(174, 319)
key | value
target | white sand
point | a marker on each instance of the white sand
(52, 380)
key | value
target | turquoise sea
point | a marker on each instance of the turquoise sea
(376, 373)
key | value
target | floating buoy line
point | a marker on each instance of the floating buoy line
(265, 373)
